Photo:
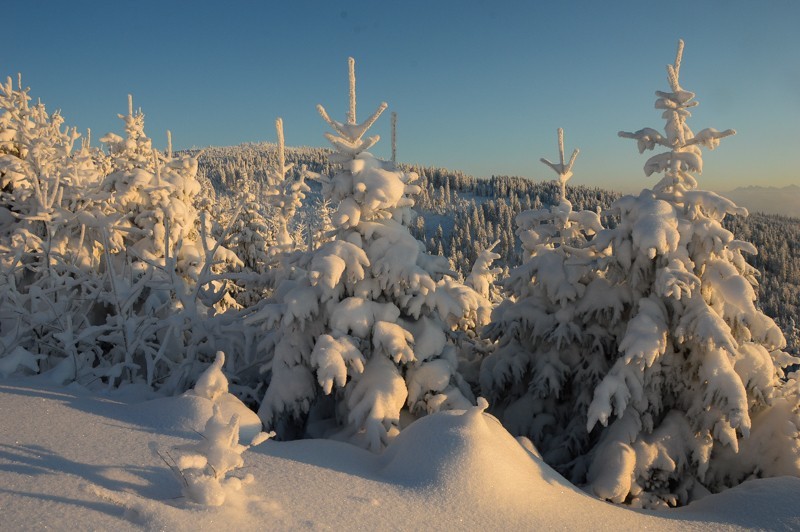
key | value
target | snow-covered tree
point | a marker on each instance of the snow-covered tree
(41, 178)
(48, 277)
(320, 227)
(549, 342)
(152, 197)
(482, 276)
(675, 372)
(359, 327)
(284, 194)
(253, 233)
(696, 385)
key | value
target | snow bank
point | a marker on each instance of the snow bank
(70, 460)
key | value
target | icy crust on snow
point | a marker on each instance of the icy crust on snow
(81, 461)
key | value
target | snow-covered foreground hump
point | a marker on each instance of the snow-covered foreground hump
(70, 460)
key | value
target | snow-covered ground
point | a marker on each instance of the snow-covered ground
(73, 460)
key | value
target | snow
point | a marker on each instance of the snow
(635, 356)
(331, 356)
(204, 471)
(212, 383)
(72, 460)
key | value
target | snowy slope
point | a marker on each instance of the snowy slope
(70, 460)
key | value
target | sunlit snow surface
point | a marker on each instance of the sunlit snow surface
(70, 460)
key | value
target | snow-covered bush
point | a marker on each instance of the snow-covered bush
(107, 272)
(48, 261)
(167, 276)
(359, 328)
(680, 378)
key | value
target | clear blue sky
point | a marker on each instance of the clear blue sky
(478, 86)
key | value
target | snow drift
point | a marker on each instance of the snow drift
(73, 460)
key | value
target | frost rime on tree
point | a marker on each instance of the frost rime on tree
(153, 199)
(284, 194)
(675, 372)
(163, 265)
(358, 332)
(106, 272)
(47, 253)
(690, 401)
(548, 340)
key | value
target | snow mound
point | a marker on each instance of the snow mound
(469, 452)
(189, 412)
(739, 506)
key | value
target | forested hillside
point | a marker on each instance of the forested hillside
(460, 215)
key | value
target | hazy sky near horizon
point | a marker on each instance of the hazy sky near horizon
(479, 86)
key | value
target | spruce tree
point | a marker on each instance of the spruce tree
(549, 342)
(358, 332)
(284, 194)
(637, 359)
(696, 374)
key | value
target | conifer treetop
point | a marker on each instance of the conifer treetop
(394, 138)
(351, 70)
(350, 140)
(685, 156)
(284, 194)
(564, 170)
(282, 168)
(134, 121)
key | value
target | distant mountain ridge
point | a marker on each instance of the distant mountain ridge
(769, 200)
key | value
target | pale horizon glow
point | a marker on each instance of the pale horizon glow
(479, 87)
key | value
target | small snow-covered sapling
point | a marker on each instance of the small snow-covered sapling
(206, 470)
